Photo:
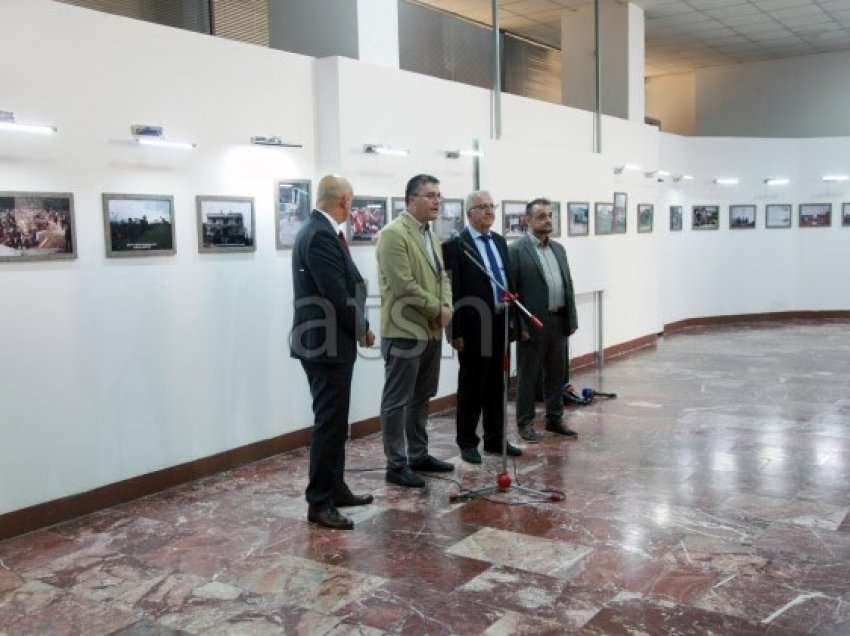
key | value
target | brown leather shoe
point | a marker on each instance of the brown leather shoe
(329, 517)
(561, 429)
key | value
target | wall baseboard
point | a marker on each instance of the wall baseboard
(52, 512)
(777, 316)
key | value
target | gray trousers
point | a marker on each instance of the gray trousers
(545, 353)
(411, 377)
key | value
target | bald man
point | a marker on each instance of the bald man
(329, 323)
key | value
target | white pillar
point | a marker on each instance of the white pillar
(621, 32)
(377, 32)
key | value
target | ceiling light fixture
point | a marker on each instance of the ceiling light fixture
(7, 122)
(835, 177)
(631, 167)
(683, 177)
(457, 154)
(262, 140)
(379, 149)
(726, 181)
(153, 136)
(777, 181)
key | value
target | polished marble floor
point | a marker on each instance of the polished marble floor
(711, 497)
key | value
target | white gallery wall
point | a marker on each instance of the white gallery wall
(114, 368)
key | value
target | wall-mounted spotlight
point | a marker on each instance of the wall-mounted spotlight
(379, 149)
(683, 177)
(631, 167)
(726, 181)
(777, 181)
(457, 154)
(261, 140)
(835, 177)
(7, 122)
(153, 136)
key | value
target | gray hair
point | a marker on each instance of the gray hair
(477, 194)
(332, 188)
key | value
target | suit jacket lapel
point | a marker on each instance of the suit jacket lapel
(466, 237)
(412, 226)
(531, 250)
(346, 255)
(561, 256)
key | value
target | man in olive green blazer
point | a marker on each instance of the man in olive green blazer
(416, 301)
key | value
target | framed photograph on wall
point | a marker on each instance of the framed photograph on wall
(845, 214)
(578, 218)
(604, 221)
(139, 225)
(225, 224)
(514, 221)
(646, 215)
(815, 215)
(742, 217)
(293, 206)
(621, 211)
(368, 216)
(675, 218)
(451, 219)
(705, 217)
(556, 219)
(397, 206)
(778, 215)
(37, 226)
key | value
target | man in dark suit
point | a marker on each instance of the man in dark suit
(329, 323)
(541, 276)
(477, 329)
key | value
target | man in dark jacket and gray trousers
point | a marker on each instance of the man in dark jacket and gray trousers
(329, 323)
(541, 277)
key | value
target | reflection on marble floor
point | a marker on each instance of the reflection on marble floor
(712, 497)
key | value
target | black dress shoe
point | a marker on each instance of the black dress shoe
(329, 517)
(350, 499)
(470, 455)
(432, 465)
(528, 433)
(561, 429)
(405, 477)
(512, 451)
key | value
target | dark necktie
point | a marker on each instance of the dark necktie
(428, 245)
(344, 243)
(491, 257)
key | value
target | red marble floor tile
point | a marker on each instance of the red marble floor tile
(9, 581)
(403, 608)
(642, 617)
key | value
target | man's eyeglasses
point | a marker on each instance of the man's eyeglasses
(431, 196)
(485, 206)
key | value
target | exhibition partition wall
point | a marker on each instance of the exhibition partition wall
(115, 368)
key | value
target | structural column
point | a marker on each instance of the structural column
(621, 31)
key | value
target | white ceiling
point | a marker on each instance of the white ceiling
(682, 35)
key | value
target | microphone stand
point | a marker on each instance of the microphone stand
(503, 479)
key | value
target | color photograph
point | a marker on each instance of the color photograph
(675, 218)
(578, 218)
(845, 215)
(293, 207)
(36, 226)
(138, 224)
(815, 215)
(514, 221)
(604, 222)
(368, 216)
(451, 219)
(646, 217)
(621, 211)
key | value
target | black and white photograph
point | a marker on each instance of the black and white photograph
(845, 214)
(451, 219)
(368, 216)
(578, 218)
(646, 217)
(815, 215)
(742, 217)
(514, 221)
(139, 224)
(604, 221)
(397, 206)
(37, 226)
(556, 219)
(225, 224)
(778, 215)
(705, 217)
(294, 203)
(675, 218)
(621, 211)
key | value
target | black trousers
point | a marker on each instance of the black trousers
(330, 386)
(480, 381)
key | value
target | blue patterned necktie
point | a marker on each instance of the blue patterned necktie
(494, 265)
